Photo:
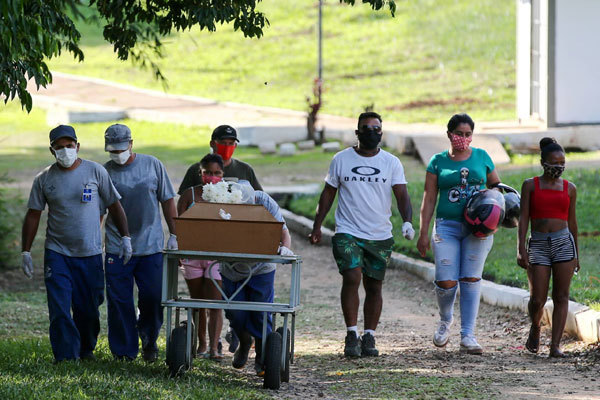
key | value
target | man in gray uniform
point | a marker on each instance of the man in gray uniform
(143, 182)
(74, 190)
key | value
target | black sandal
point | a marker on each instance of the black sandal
(556, 353)
(533, 341)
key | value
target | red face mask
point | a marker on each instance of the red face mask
(211, 179)
(225, 151)
(460, 143)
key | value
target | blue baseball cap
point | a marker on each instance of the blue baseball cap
(117, 137)
(62, 131)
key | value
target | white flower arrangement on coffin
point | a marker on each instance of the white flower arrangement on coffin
(221, 192)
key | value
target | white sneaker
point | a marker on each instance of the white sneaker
(442, 333)
(469, 345)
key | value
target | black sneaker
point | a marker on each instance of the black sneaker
(232, 339)
(150, 355)
(240, 358)
(352, 345)
(123, 358)
(88, 357)
(368, 346)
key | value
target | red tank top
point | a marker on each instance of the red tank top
(548, 203)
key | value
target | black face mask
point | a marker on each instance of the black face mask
(369, 138)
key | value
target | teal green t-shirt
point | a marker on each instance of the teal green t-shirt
(457, 180)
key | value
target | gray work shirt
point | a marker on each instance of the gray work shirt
(143, 184)
(238, 272)
(74, 199)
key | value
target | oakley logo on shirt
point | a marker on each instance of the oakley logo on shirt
(366, 174)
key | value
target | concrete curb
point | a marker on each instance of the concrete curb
(582, 322)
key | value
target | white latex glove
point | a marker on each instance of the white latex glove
(126, 250)
(284, 251)
(27, 264)
(407, 231)
(172, 243)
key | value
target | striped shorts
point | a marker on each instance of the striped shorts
(551, 248)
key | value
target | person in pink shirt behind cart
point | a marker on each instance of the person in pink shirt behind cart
(197, 273)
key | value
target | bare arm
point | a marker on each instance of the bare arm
(325, 202)
(30, 227)
(184, 202)
(522, 256)
(170, 212)
(427, 207)
(286, 239)
(403, 201)
(573, 218)
(493, 179)
(118, 216)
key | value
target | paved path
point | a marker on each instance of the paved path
(70, 92)
(75, 93)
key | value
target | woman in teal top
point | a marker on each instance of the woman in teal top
(459, 256)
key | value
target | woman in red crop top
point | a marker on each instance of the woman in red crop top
(549, 202)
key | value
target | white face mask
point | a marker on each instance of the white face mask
(66, 156)
(120, 158)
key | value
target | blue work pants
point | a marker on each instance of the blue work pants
(259, 288)
(73, 283)
(124, 326)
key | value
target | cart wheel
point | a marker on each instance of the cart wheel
(273, 361)
(285, 373)
(176, 350)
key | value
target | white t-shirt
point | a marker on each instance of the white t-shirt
(365, 192)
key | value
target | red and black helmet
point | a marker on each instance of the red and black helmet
(484, 212)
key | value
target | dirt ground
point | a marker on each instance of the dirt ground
(505, 371)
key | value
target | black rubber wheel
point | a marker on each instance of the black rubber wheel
(176, 351)
(285, 373)
(273, 361)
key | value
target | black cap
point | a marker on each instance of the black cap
(62, 131)
(224, 132)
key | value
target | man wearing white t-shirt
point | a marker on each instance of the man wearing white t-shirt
(365, 176)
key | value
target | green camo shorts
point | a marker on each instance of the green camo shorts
(373, 256)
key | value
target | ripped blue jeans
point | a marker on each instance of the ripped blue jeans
(459, 255)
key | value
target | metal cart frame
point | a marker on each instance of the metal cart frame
(170, 298)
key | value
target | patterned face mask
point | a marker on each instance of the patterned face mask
(554, 171)
(460, 143)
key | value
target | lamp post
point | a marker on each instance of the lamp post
(320, 33)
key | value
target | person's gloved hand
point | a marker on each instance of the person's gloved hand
(172, 243)
(126, 250)
(27, 264)
(407, 231)
(284, 251)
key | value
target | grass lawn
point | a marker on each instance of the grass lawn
(501, 263)
(28, 373)
(430, 61)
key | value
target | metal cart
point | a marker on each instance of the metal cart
(181, 339)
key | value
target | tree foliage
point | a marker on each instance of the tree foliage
(35, 30)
